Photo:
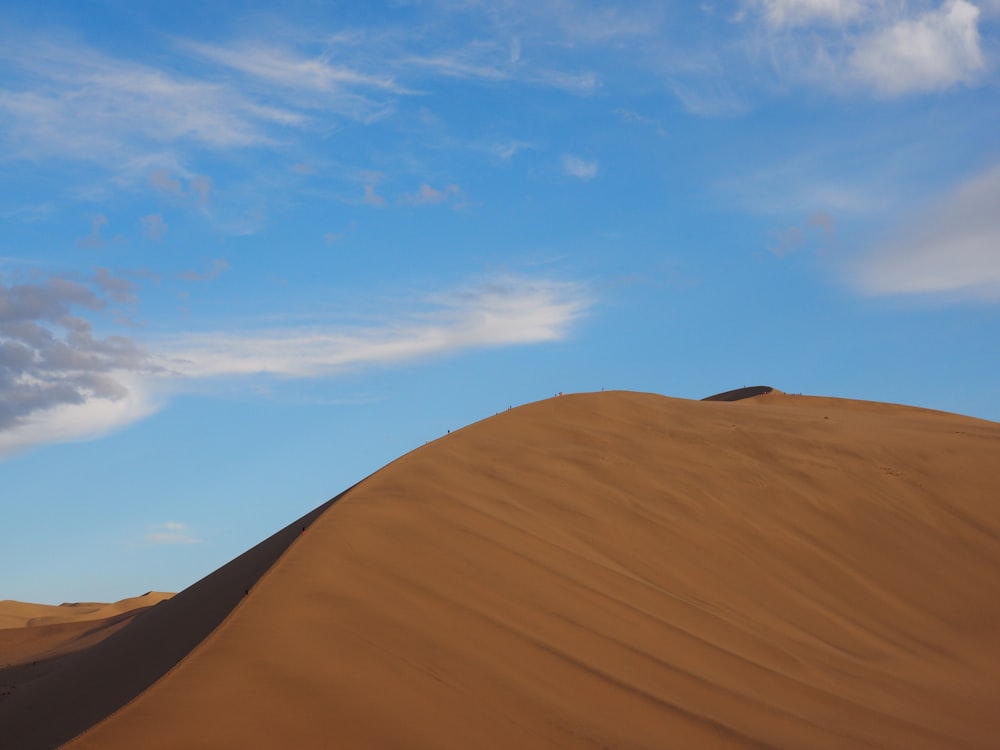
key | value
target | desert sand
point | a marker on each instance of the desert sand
(40, 632)
(597, 570)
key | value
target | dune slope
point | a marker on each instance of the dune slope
(45, 703)
(621, 570)
(14, 614)
(34, 638)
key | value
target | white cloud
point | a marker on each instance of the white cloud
(952, 248)
(307, 82)
(70, 101)
(850, 46)
(292, 70)
(92, 418)
(932, 51)
(55, 390)
(170, 532)
(802, 12)
(582, 169)
(499, 313)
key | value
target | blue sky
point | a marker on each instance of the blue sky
(249, 257)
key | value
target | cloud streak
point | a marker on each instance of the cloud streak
(785, 13)
(62, 99)
(951, 248)
(56, 387)
(504, 312)
(168, 533)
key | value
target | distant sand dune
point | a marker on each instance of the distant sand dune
(35, 637)
(22, 614)
(741, 393)
(596, 570)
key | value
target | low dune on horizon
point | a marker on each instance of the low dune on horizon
(600, 570)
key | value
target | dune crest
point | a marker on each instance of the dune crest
(617, 569)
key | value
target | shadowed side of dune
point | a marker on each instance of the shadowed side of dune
(624, 570)
(87, 686)
(28, 654)
(740, 393)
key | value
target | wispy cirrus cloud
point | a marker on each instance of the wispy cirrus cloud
(889, 49)
(784, 13)
(61, 98)
(477, 64)
(502, 312)
(169, 532)
(64, 99)
(951, 248)
(290, 69)
(59, 382)
(308, 81)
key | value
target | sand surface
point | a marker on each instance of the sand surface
(33, 632)
(26, 615)
(604, 570)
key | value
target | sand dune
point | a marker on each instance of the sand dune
(34, 636)
(23, 614)
(600, 570)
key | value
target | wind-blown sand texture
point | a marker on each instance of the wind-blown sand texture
(600, 570)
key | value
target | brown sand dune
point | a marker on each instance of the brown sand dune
(34, 636)
(603, 570)
(44, 704)
(25, 615)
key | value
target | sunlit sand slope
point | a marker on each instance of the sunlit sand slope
(624, 570)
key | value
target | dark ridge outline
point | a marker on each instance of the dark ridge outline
(741, 393)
